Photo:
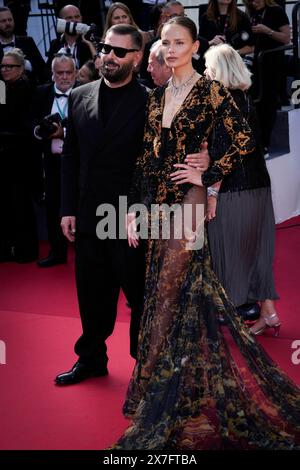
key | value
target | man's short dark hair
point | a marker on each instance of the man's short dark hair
(128, 30)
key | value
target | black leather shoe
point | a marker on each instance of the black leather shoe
(80, 372)
(51, 261)
(249, 312)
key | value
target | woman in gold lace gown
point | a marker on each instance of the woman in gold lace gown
(191, 389)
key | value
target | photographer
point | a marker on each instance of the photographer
(71, 42)
(51, 111)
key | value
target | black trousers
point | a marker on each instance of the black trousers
(57, 241)
(18, 218)
(102, 268)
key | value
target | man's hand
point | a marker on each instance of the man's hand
(186, 174)
(68, 225)
(59, 133)
(132, 236)
(200, 160)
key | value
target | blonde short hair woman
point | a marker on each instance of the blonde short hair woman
(228, 67)
(244, 201)
(13, 65)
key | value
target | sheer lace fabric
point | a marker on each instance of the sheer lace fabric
(187, 391)
(197, 385)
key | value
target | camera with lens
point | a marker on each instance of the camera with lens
(47, 127)
(72, 28)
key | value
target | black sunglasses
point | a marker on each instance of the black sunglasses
(118, 51)
(9, 66)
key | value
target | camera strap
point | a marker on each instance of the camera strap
(62, 111)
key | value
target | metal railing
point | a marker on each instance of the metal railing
(260, 59)
(48, 20)
(296, 36)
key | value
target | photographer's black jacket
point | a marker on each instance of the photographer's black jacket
(42, 105)
(83, 53)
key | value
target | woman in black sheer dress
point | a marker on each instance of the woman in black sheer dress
(188, 389)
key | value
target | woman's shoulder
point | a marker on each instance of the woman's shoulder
(277, 13)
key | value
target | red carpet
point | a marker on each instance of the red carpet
(39, 323)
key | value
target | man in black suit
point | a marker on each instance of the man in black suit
(20, 10)
(35, 67)
(50, 99)
(81, 50)
(104, 137)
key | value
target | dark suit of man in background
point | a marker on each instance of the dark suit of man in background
(104, 137)
(50, 99)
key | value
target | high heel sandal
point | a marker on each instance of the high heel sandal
(267, 319)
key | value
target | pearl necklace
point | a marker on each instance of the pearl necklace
(177, 90)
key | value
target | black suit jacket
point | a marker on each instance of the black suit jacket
(98, 158)
(42, 105)
(39, 72)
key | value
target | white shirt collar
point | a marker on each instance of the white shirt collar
(56, 90)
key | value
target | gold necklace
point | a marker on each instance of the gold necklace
(177, 90)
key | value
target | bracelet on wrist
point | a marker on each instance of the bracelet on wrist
(270, 33)
(212, 192)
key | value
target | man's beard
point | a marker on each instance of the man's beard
(6, 33)
(118, 74)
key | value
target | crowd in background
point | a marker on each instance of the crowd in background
(36, 110)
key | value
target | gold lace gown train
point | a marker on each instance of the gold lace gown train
(187, 391)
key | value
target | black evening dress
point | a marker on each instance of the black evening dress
(191, 387)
